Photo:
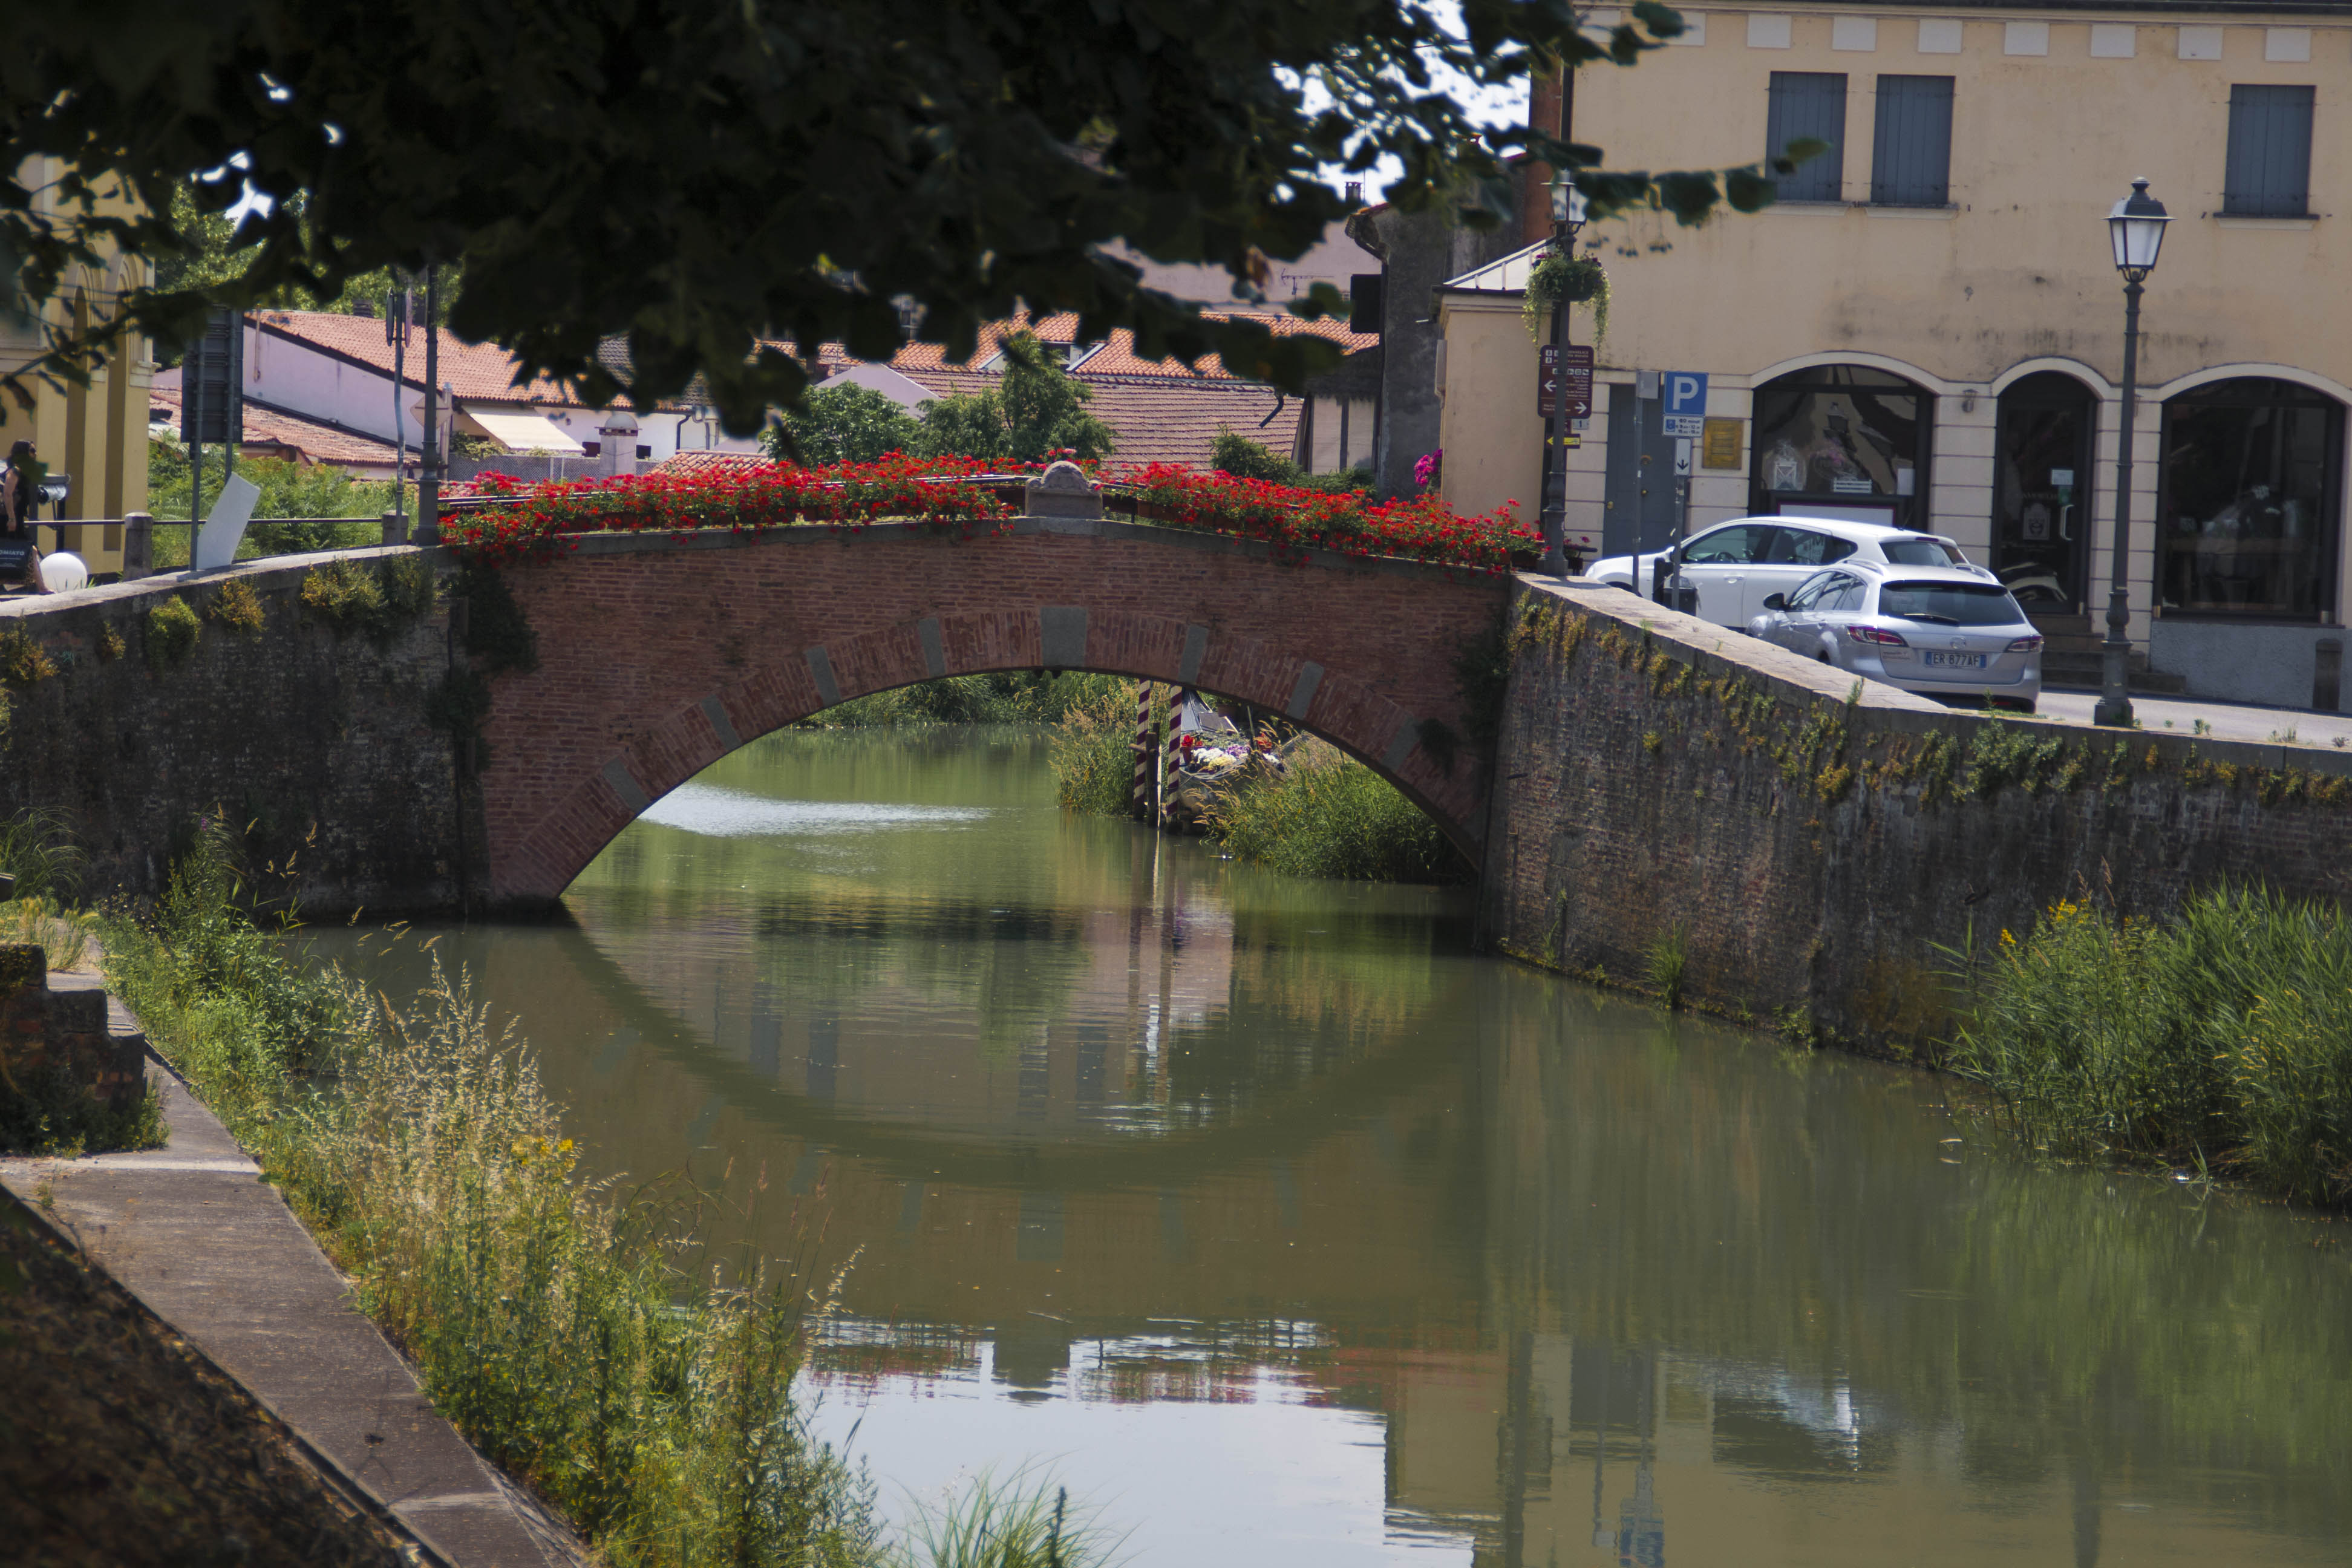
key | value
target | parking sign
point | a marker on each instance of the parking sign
(1683, 402)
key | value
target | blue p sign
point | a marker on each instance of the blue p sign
(1686, 394)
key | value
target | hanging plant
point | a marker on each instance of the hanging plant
(1572, 279)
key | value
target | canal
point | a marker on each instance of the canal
(1288, 1230)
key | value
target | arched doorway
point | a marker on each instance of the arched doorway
(1842, 441)
(2042, 491)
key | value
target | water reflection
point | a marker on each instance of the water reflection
(1297, 1234)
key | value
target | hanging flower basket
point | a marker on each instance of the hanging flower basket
(1558, 279)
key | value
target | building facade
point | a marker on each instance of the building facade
(1928, 328)
(93, 435)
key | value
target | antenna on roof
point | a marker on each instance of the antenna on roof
(1355, 193)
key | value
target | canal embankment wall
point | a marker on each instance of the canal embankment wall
(298, 697)
(1672, 797)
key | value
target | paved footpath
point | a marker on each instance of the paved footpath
(192, 1231)
(2222, 720)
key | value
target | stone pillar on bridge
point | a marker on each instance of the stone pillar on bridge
(1062, 490)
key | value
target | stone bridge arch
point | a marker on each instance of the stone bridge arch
(660, 654)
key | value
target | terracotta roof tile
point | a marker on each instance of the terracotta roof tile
(482, 371)
(316, 440)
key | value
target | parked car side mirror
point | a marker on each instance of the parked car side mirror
(1776, 600)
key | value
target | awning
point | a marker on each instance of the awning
(518, 429)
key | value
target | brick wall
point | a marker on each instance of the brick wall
(316, 740)
(49, 1020)
(659, 654)
(1816, 844)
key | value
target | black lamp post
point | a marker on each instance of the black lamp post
(1567, 219)
(2136, 229)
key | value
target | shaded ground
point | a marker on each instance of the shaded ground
(119, 1445)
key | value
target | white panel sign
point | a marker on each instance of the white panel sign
(224, 527)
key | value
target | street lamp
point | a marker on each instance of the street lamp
(2136, 228)
(1567, 219)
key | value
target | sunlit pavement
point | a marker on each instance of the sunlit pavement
(2223, 720)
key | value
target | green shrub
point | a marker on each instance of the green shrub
(1669, 959)
(172, 629)
(2220, 1039)
(1330, 815)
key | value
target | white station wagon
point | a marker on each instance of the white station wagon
(1737, 566)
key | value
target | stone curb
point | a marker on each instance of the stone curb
(197, 1237)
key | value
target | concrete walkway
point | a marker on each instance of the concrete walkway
(192, 1231)
(2223, 720)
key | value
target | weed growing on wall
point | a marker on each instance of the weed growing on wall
(352, 597)
(238, 608)
(172, 629)
(23, 660)
(110, 645)
(1669, 959)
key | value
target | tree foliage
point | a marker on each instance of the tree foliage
(706, 176)
(844, 423)
(1034, 412)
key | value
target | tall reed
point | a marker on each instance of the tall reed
(2220, 1038)
(1330, 815)
(571, 1331)
(1093, 751)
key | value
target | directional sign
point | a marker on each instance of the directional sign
(1683, 402)
(1682, 456)
(1564, 371)
(1576, 377)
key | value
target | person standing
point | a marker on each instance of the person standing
(20, 499)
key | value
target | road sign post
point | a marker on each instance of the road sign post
(1682, 403)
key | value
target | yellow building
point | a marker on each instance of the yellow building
(1928, 327)
(94, 435)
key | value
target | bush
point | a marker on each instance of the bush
(350, 596)
(2221, 1039)
(1330, 815)
(23, 659)
(1246, 459)
(172, 632)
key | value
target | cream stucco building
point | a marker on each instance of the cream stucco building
(1928, 326)
(96, 435)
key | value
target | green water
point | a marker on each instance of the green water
(1289, 1231)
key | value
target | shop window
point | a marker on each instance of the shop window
(2250, 509)
(1911, 157)
(1841, 441)
(2269, 172)
(1809, 106)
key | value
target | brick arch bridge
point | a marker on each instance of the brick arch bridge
(660, 654)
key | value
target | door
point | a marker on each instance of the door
(1641, 515)
(2042, 495)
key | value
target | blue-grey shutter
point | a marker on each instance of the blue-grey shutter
(1809, 106)
(2269, 172)
(1911, 157)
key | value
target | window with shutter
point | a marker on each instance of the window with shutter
(1911, 157)
(2269, 172)
(1809, 106)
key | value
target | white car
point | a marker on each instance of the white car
(1736, 565)
(1935, 630)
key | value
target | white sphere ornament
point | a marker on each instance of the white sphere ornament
(63, 571)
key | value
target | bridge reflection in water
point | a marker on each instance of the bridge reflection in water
(1295, 1233)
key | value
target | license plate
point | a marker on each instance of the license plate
(1953, 660)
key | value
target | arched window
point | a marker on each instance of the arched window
(2250, 514)
(1842, 440)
